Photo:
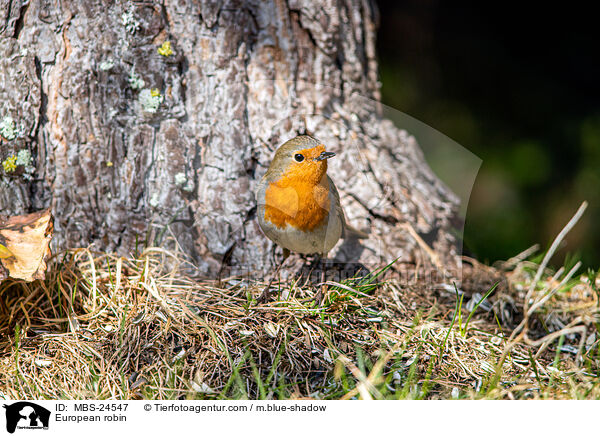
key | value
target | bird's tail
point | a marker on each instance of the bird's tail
(352, 232)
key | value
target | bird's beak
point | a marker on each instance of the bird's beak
(324, 155)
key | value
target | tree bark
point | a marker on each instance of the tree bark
(244, 77)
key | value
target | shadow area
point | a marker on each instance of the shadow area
(308, 270)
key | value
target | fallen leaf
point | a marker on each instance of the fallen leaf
(5, 253)
(27, 239)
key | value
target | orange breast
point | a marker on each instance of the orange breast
(297, 202)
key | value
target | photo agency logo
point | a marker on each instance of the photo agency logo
(25, 415)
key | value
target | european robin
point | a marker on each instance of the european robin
(298, 204)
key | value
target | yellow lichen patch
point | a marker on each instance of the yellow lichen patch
(10, 164)
(165, 49)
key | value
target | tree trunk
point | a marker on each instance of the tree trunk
(128, 140)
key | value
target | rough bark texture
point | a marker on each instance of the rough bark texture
(245, 76)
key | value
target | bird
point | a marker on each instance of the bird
(298, 205)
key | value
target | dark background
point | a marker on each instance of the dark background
(517, 85)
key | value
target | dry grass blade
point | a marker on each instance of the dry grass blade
(555, 244)
(522, 328)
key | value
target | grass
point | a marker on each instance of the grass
(108, 327)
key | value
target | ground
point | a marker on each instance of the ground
(106, 327)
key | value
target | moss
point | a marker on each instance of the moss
(135, 81)
(24, 158)
(131, 24)
(8, 128)
(107, 65)
(10, 164)
(150, 99)
(155, 200)
(165, 49)
(180, 179)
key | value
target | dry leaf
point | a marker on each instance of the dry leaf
(5, 252)
(27, 239)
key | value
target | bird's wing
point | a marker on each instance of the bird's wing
(259, 190)
(347, 229)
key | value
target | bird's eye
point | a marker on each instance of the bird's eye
(298, 157)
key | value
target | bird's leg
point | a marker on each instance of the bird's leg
(264, 297)
(313, 264)
(323, 287)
